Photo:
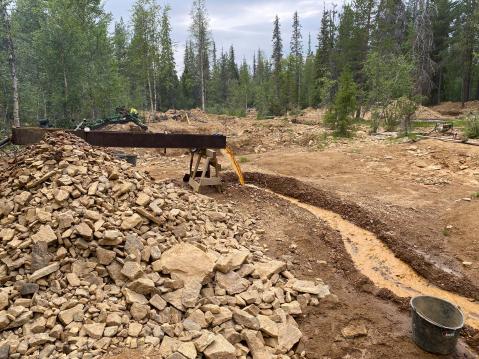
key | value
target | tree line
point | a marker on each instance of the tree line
(59, 60)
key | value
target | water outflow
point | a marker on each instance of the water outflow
(376, 261)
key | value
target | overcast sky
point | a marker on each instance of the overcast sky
(246, 24)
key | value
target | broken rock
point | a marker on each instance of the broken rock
(220, 349)
(187, 262)
(45, 234)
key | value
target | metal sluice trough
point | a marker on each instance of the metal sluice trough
(31, 135)
(201, 146)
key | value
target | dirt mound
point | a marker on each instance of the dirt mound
(426, 113)
(96, 256)
(456, 109)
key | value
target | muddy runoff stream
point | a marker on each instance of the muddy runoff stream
(376, 261)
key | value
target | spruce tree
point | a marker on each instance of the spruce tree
(276, 106)
(296, 63)
(201, 41)
(120, 42)
(168, 79)
(390, 33)
(340, 115)
(323, 60)
(442, 20)
(233, 73)
(189, 85)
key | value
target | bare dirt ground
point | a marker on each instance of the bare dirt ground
(294, 235)
(424, 193)
(421, 199)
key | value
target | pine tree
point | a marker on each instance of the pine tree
(345, 46)
(361, 36)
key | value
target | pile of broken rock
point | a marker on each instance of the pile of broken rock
(96, 257)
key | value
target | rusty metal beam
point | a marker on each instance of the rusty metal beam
(31, 135)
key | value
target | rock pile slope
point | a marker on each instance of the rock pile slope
(97, 257)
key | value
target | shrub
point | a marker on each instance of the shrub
(399, 112)
(375, 120)
(471, 128)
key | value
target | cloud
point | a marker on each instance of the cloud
(246, 24)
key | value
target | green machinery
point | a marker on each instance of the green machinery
(123, 115)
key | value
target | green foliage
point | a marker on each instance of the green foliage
(471, 128)
(168, 79)
(70, 67)
(388, 77)
(340, 115)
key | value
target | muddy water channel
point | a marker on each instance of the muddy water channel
(376, 261)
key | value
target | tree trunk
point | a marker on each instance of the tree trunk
(466, 80)
(44, 105)
(299, 87)
(468, 55)
(151, 95)
(65, 88)
(439, 94)
(13, 66)
(202, 74)
(155, 93)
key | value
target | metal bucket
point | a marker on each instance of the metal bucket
(436, 324)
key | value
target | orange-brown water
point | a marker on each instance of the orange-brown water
(376, 261)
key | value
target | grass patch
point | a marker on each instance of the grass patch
(445, 232)
(243, 160)
(475, 195)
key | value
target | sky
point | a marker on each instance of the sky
(245, 24)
